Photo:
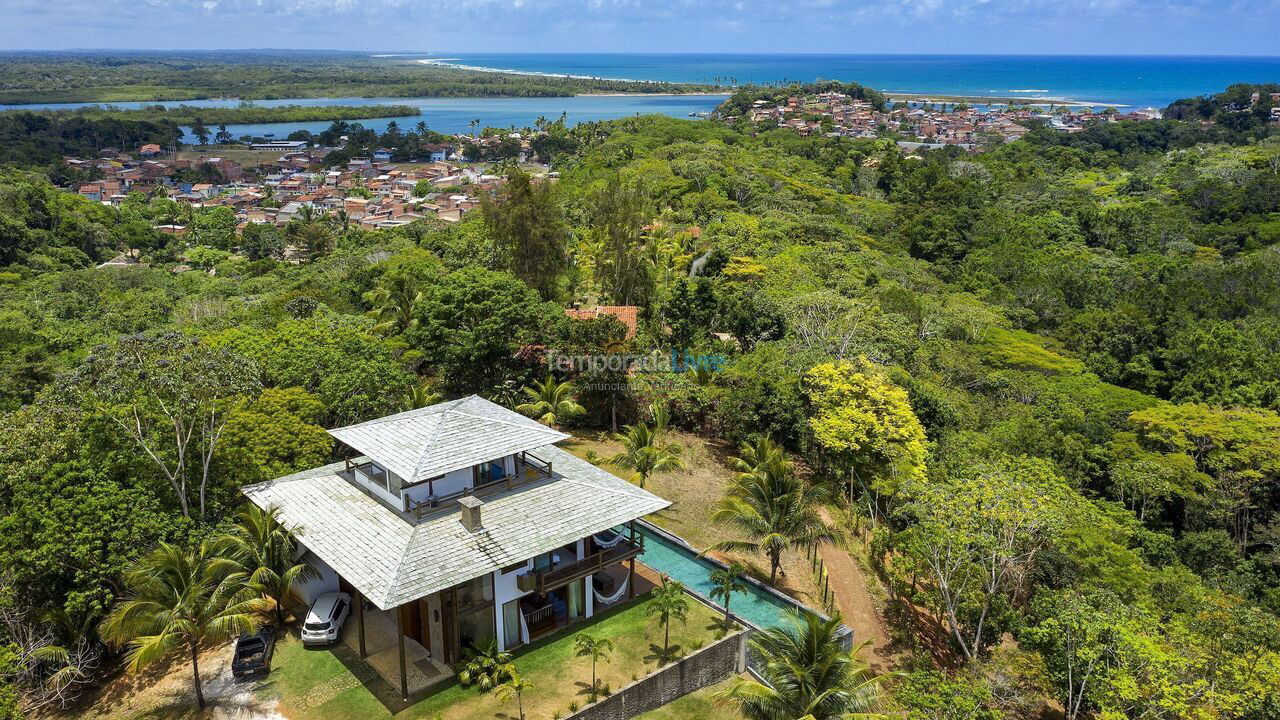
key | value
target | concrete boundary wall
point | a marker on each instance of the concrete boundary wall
(705, 667)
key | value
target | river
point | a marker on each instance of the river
(452, 115)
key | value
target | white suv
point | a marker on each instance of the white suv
(324, 621)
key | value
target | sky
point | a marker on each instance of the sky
(1162, 27)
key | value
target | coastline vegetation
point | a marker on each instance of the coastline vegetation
(56, 77)
(1037, 385)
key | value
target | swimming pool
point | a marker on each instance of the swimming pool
(753, 605)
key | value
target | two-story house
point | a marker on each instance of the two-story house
(464, 523)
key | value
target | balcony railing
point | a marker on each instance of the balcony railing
(541, 581)
(529, 468)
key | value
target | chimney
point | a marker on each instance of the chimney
(471, 513)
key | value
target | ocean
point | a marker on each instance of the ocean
(1126, 81)
(1134, 81)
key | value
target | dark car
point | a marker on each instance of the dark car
(253, 653)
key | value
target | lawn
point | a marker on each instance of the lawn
(323, 684)
(693, 493)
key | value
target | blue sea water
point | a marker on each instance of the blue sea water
(1129, 81)
(1138, 81)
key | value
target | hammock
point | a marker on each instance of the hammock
(610, 599)
(611, 541)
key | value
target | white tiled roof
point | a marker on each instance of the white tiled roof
(393, 559)
(437, 439)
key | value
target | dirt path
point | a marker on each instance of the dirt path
(166, 692)
(849, 583)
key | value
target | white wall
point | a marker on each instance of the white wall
(504, 591)
(327, 582)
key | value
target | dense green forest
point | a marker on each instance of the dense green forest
(1042, 378)
(1233, 108)
(246, 112)
(55, 77)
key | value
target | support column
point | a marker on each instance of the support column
(631, 573)
(404, 677)
(360, 621)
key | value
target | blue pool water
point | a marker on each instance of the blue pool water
(757, 607)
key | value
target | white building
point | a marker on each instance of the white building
(462, 522)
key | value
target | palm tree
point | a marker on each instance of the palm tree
(661, 418)
(725, 582)
(760, 456)
(392, 304)
(644, 452)
(179, 599)
(550, 402)
(598, 648)
(421, 127)
(808, 676)
(421, 395)
(668, 602)
(487, 667)
(265, 551)
(775, 510)
(514, 685)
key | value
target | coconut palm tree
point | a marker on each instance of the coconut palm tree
(808, 676)
(776, 511)
(421, 395)
(668, 602)
(514, 686)
(644, 453)
(598, 649)
(179, 599)
(550, 402)
(725, 582)
(392, 304)
(266, 552)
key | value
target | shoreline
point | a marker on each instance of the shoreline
(995, 100)
(905, 96)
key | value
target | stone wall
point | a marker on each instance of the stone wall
(708, 666)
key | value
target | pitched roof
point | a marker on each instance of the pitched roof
(626, 314)
(393, 559)
(437, 439)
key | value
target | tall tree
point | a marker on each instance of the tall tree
(550, 402)
(529, 229)
(976, 537)
(808, 675)
(863, 425)
(266, 553)
(645, 453)
(177, 600)
(619, 212)
(775, 510)
(171, 394)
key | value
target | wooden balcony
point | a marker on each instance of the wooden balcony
(559, 576)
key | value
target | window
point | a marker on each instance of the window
(339, 608)
(511, 624)
(475, 592)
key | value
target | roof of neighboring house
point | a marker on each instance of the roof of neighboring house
(431, 441)
(626, 314)
(393, 559)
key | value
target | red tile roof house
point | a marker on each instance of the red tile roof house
(626, 314)
(149, 150)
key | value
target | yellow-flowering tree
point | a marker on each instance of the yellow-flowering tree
(862, 426)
